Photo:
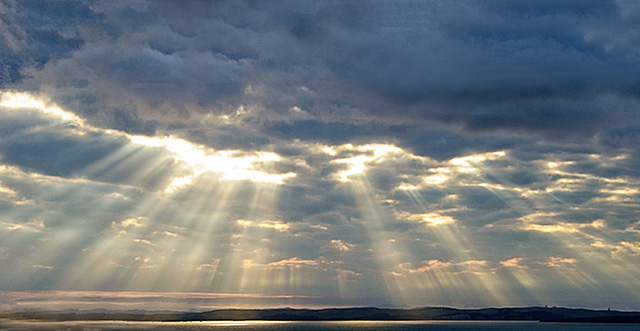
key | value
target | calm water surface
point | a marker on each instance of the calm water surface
(297, 326)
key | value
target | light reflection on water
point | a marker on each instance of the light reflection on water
(6, 325)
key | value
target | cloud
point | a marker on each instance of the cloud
(39, 266)
(562, 227)
(429, 219)
(513, 262)
(340, 245)
(329, 144)
(275, 225)
(471, 267)
(217, 63)
(82, 148)
(292, 262)
(33, 226)
(621, 248)
(560, 262)
(130, 222)
(37, 32)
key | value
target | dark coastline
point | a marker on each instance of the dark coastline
(542, 314)
(604, 319)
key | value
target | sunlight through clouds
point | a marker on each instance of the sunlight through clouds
(365, 154)
(21, 100)
(165, 155)
(349, 222)
(111, 254)
(233, 165)
(429, 219)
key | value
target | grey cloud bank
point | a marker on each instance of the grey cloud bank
(557, 69)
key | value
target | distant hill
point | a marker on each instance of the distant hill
(555, 314)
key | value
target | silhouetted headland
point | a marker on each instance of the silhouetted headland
(543, 314)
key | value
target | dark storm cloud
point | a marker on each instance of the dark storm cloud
(495, 65)
(35, 32)
(557, 69)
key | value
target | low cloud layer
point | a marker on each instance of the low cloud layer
(558, 70)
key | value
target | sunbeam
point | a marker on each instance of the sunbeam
(151, 243)
(386, 250)
(109, 211)
(266, 155)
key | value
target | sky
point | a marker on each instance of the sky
(192, 155)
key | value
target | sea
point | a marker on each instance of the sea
(6, 325)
